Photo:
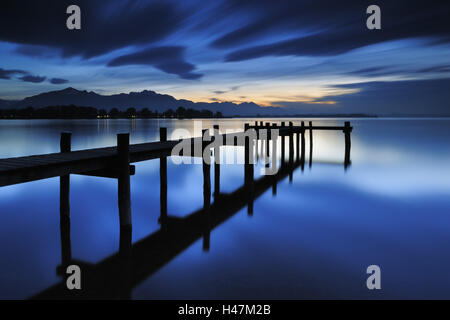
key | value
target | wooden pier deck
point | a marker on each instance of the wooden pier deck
(24, 169)
(36, 167)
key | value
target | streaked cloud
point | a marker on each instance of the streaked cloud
(274, 53)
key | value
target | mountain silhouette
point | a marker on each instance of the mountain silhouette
(5, 104)
(144, 99)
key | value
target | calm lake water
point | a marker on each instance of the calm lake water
(313, 239)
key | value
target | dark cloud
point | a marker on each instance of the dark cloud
(436, 69)
(268, 16)
(412, 97)
(58, 81)
(27, 77)
(367, 71)
(318, 45)
(234, 88)
(37, 51)
(169, 59)
(336, 26)
(246, 29)
(33, 79)
(6, 74)
(392, 70)
(105, 25)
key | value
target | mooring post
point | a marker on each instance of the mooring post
(206, 193)
(274, 146)
(64, 206)
(65, 142)
(348, 144)
(283, 144)
(163, 181)
(246, 154)
(261, 148)
(248, 160)
(303, 145)
(298, 145)
(193, 149)
(310, 143)
(246, 144)
(64, 181)
(291, 149)
(217, 162)
(268, 137)
(123, 163)
(249, 169)
(291, 142)
(206, 177)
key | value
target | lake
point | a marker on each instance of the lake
(313, 239)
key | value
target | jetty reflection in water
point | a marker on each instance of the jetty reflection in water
(116, 276)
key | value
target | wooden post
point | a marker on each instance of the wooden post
(283, 145)
(216, 163)
(261, 148)
(246, 145)
(248, 171)
(163, 181)
(348, 144)
(310, 144)
(206, 196)
(302, 159)
(64, 206)
(274, 145)
(206, 180)
(192, 147)
(291, 143)
(268, 143)
(64, 181)
(123, 162)
(298, 147)
(65, 142)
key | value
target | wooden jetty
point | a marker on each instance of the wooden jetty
(103, 162)
(136, 262)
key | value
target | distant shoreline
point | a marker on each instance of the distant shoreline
(80, 112)
(241, 117)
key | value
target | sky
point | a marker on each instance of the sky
(309, 56)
